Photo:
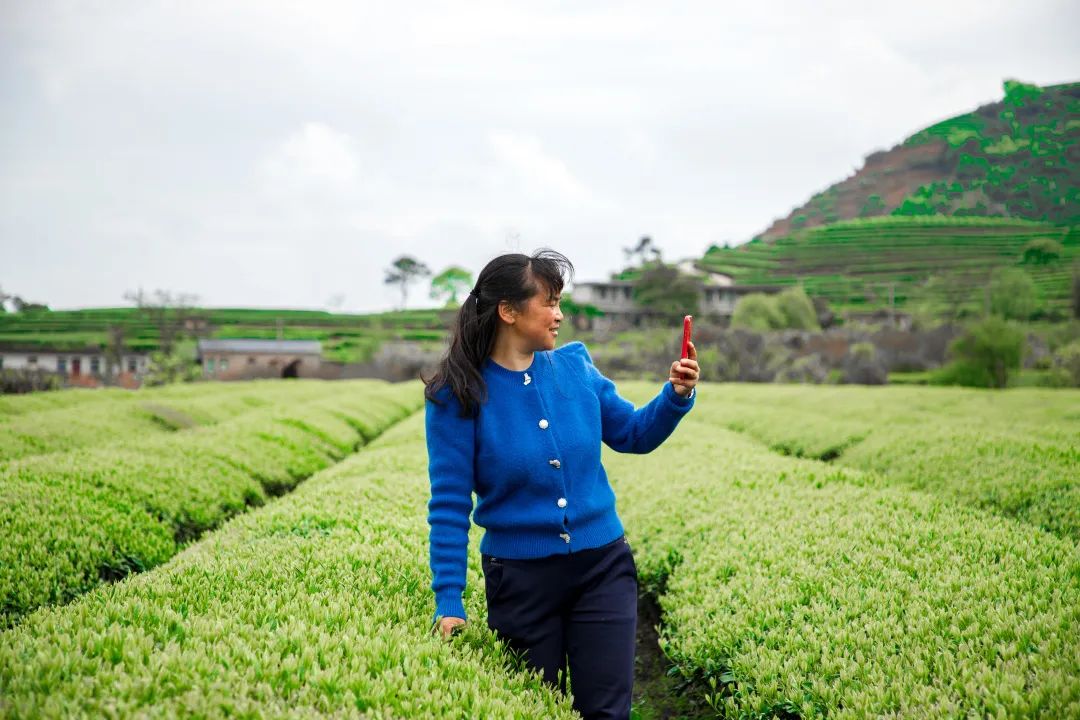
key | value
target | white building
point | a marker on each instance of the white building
(615, 298)
(84, 363)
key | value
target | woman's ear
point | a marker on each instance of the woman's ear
(507, 313)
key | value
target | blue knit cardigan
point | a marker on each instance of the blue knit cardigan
(532, 457)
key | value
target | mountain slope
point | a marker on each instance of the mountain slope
(1018, 158)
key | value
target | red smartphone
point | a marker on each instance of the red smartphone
(687, 321)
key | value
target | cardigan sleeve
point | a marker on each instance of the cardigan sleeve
(450, 446)
(624, 428)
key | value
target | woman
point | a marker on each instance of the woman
(520, 423)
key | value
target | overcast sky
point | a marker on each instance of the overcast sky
(270, 154)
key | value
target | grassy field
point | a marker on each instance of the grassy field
(815, 552)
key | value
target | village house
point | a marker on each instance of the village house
(241, 359)
(615, 298)
(87, 367)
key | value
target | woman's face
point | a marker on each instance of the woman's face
(538, 325)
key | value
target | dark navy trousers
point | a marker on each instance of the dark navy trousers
(578, 609)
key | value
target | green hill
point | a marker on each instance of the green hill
(1017, 158)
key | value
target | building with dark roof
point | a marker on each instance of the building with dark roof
(243, 358)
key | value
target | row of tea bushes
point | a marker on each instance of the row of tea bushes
(792, 587)
(1015, 452)
(257, 390)
(1028, 478)
(814, 420)
(23, 403)
(71, 520)
(81, 418)
(318, 603)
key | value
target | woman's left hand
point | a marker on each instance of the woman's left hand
(685, 371)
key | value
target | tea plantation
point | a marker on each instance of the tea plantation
(927, 567)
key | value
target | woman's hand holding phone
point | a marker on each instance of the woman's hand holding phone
(685, 371)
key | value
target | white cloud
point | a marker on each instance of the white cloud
(521, 159)
(314, 155)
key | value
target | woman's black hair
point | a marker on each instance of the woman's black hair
(511, 278)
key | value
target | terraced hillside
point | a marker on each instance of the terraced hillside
(1018, 158)
(852, 264)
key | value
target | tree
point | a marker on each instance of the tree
(662, 288)
(22, 306)
(714, 248)
(644, 248)
(1067, 360)
(1013, 294)
(1018, 93)
(4, 297)
(170, 368)
(796, 309)
(985, 354)
(404, 271)
(450, 283)
(1041, 251)
(757, 311)
(791, 308)
(168, 313)
(873, 206)
(573, 310)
